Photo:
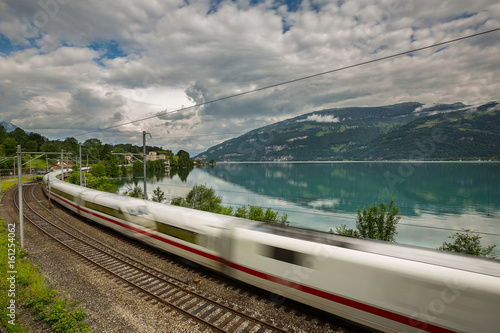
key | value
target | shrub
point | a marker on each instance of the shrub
(469, 243)
(343, 230)
(158, 195)
(374, 223)
(135, 192)
(202, 198)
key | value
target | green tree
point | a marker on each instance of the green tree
(98, 170)
(159, 165)
(38, 138)
(137, 166)
(183, 160)
(241, 212)
(20, 136)
(105, 150)
(135, 192)
(100, 183)
(93, 148)
(183, 153)
(30, 146)
(256, 213)
(158, 195)
(178, 201)
(378, 223)
(51, 146)
(203, 198)
(121, 158)
(74, 178)
(3, 133)
(10, 146)
(374, 223)
(71, 145)
(469, 243)
(111, 165)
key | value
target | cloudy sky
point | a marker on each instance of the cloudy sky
(71, 67)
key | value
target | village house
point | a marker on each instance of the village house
(66, 164)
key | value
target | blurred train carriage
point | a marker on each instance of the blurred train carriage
(384, 286)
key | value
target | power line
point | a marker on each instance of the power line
(295, 80)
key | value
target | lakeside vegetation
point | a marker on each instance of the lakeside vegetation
(203, 198)
(380, 224)
(469, 243)
(374, 223)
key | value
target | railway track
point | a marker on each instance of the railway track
(203, 311)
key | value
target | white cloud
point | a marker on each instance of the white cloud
(319, 118)
(80, 66)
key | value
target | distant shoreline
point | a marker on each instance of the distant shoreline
(339, 162)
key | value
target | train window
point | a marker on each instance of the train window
(186, 235)
(281, 254)
(289, 256)
(106, 210)
(138, 210)
(63, 194)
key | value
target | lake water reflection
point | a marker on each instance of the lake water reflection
(436, 199)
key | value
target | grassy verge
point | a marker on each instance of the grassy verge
(7, 183)
(22, 287)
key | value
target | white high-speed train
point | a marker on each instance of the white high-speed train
(384, 286)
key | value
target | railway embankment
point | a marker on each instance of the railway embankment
(107, 305)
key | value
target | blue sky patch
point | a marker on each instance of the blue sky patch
(459, 17)
(109, 49)
(380, 48)
(7, 46)
(440, 49)
(292, 5)
(214, 6)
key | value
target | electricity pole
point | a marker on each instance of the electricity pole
(20, 192)
(144, 160)
(62, 164)
(80, 162)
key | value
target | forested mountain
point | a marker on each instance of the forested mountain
(400, 131)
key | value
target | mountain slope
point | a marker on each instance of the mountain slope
(9, 127)
(345, 134)
(465, 134)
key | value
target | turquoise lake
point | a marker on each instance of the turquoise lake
(436, 199)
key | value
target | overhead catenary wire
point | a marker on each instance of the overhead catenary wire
(163, 113)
